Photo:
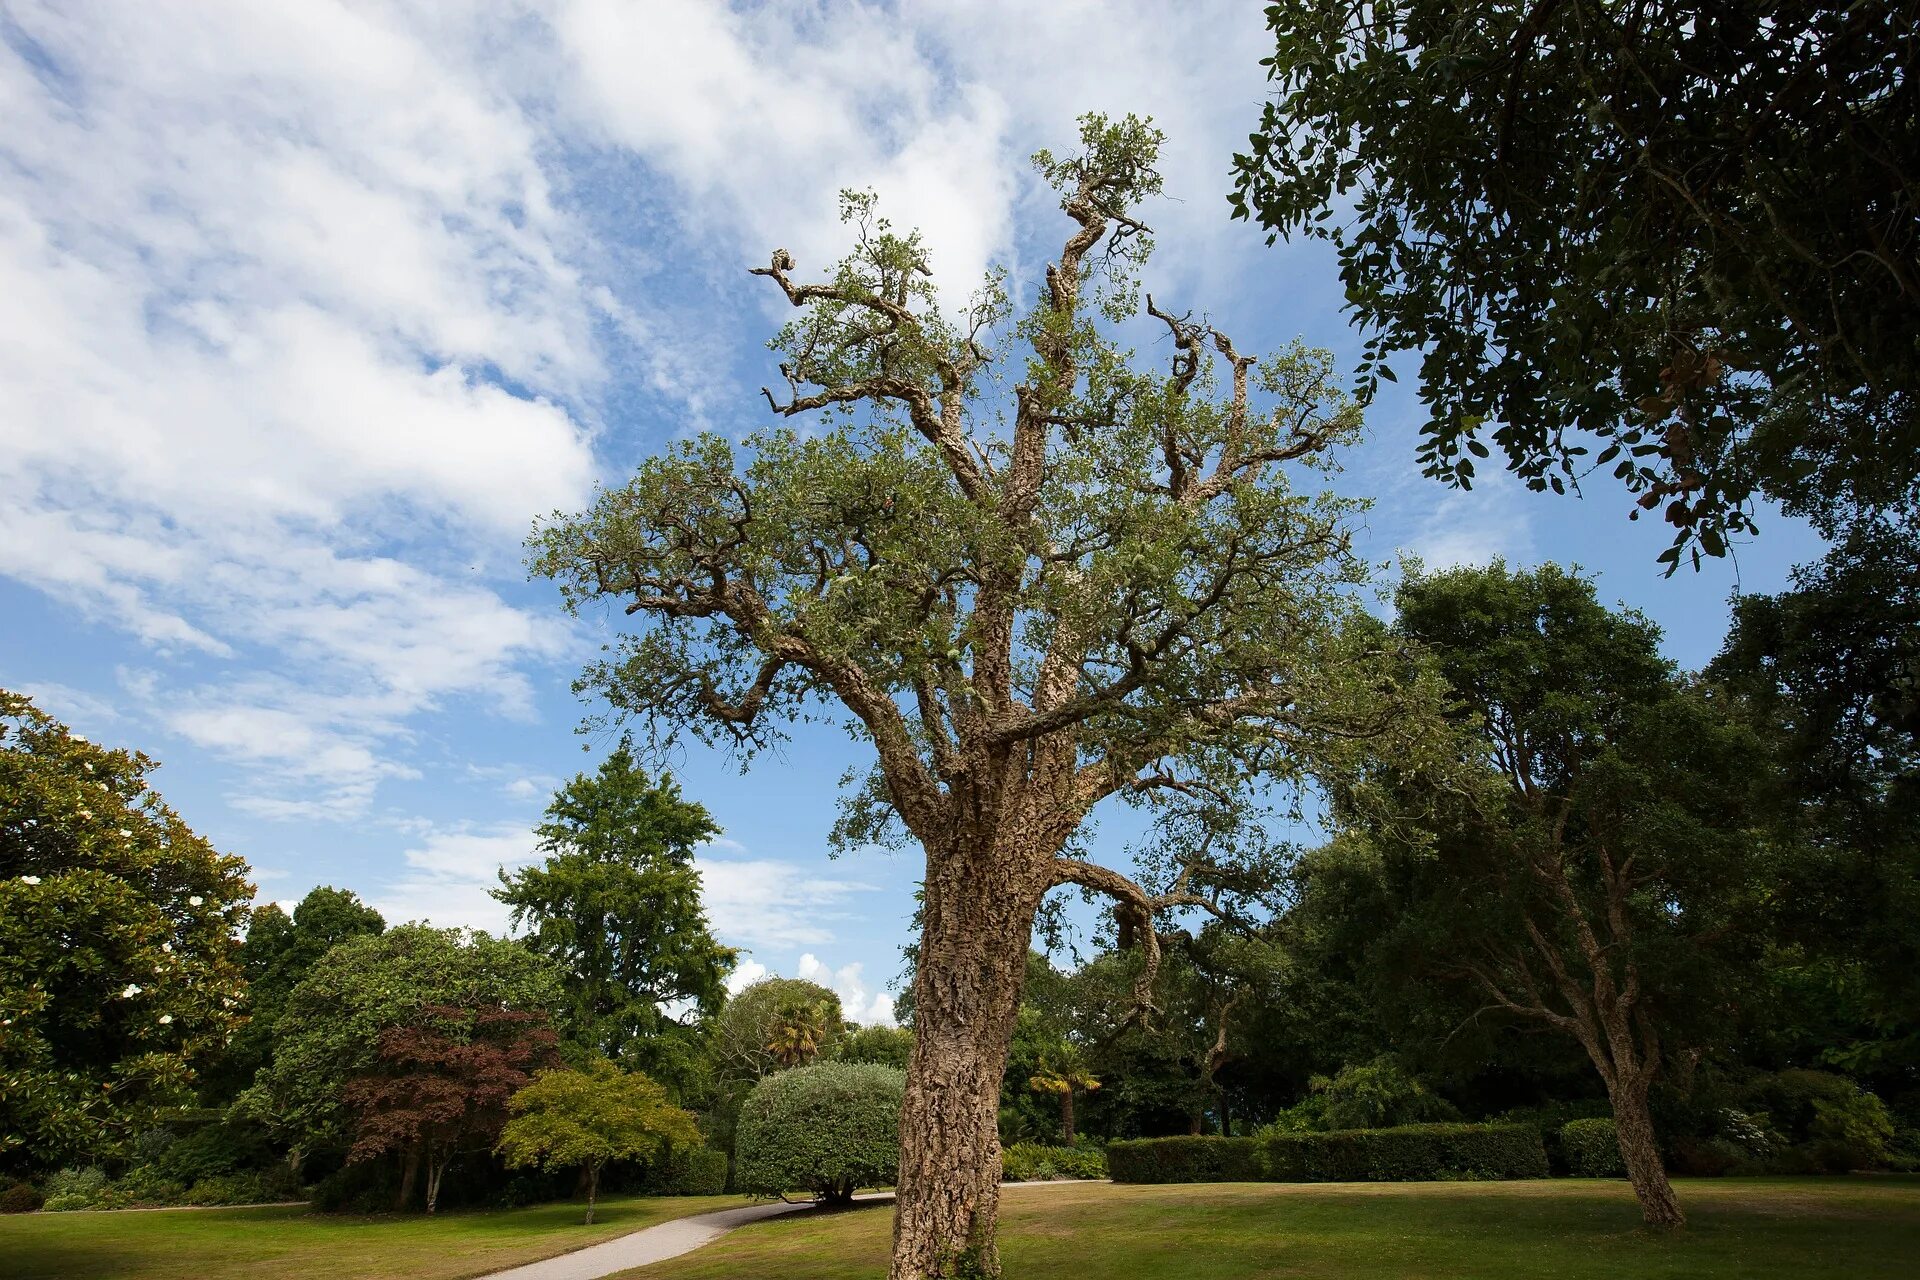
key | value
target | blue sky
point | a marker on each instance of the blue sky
(307, 310)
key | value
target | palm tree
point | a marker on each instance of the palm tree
(797, 1035)
(1063, 1072)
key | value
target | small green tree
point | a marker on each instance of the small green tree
(583, 1119)
(117, 938)
(829, 1128)
(617, 906)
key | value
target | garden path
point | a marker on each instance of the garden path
(666, 1240)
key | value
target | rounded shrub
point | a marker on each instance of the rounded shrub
(827, 1129)
(21, 1197)
(1592, 1149)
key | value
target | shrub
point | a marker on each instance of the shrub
(827, 1128)
(1184, 1159)
(1550, 1118)
(687, 1171)
(21, 1197)
(75, 1188)
(1836, 1125)
(229, 1146)
(1375, 1095)
(251, 1187)
(367, 1187)
(1409, 1153)
(1039, 1162)
(1592, 1149)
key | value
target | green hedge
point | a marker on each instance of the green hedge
(687, 1171)
(1185, 1159)
(1039, 1162)
(1409, 1153)
(1592, 1149)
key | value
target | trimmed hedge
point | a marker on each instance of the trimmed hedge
(21, 1197)
(1592, 1149)
(1038, 1162)
(1409, 1153)
(1184, 1159)
(687, 1171)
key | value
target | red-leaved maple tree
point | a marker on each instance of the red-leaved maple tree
(441, 1087)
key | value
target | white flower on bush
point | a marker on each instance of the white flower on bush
(196, 900)
(129, 991)
(125, 832)
(29, 879)
(166, 1019)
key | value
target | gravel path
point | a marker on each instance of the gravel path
(667, 1240)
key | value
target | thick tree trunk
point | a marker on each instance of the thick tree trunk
(593, 1189)
(1633, 1123)
(409, 1175)
(976, 925)
(1196, 1122)
(1066, 1116)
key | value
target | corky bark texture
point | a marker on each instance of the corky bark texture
(1095, 583)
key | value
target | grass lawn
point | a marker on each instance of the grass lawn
(1763, 1227)
(293, 1244)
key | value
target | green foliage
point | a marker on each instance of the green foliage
(1374, 1095)
(1687, 232)
(1042, 1162)
(1834, 1124)
(230, 1146)
(277, 953)
(583, 1119)
(1184, 1159)
(828, 1129)
(1830, 671)
(21, 1197)
(75, 1188)
(117, 944)
(1411, 1153)
(1592, 1149)
(617, 905)
(887, 1046)
(751, 1021)
(1599, 798)
(686, 1171)
(330, 1030)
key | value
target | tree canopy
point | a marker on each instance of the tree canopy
(118, 933)
(584, 1119)
(330, 1031)
(617, 905)
(1593, 867)
(1684, 235)
(1029, 592)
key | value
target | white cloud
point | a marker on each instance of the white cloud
(265, 274)
(448, 879)
(767, 903)
(856, 1003)
(745, 975)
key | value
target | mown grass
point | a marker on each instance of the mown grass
(1763, 1229)
(294, 1244)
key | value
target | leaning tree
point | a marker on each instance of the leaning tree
(1029, 593)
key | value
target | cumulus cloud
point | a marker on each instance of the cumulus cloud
(288, 336)
(448, 877)
(857, 1004)
(767, 903)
